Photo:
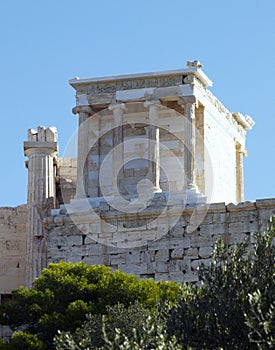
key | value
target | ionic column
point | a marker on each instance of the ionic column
(41, 149)
(189, 141)
(153, 145)
(83, 149)
(240, 153)
(118, 111)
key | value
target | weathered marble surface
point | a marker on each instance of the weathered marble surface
(13, 236)
(146, 246)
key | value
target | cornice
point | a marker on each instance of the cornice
(138, 79)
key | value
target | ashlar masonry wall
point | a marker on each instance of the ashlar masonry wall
(13, 223)
(13, 229)
(146, 245)
(65, 180)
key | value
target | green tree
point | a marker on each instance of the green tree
(128, 320)
(232, 308)
(65, 292)
(221, 313)
(150, 335)
(23, 341)
(260, 315)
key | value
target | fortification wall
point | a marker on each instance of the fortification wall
(145, 244)
(13, 229)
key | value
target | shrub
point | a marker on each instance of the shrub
(65, 292)
(223, 312)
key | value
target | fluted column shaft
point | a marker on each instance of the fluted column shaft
(41, 198)
(153, 145)
(83, 149)
(190, 142)
(189, 104)
(240, 153)
(118, 111)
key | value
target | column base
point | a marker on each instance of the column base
(193, 196)
(156, 190)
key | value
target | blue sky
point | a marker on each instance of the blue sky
(46, 43)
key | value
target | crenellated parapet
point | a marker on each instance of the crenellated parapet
(42, 138)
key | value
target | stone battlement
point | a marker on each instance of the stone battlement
(43, 134)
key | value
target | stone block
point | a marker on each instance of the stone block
(190, 277)
(95, 227)
(89, 239)
(237, 238)
(182, 242)
(208, 219)
(57, 241)
(118, 259)
(176, 253)
(177, 230)
(94, 249)
(172, 243)
(206, 229)
(147, 256)
(135, 269)
(133, 257)
(55, 259)
(177, 276)
(195, 264)
(135, 236)
(218, 229)
(128, 225)
(205, 252)
(162, 276)
(134, 94)
(119, 237)
(236, 227)
(74, 258)
(161, 266)
(74, 240)
(162, 255)
(197, 241)
(140, 172)
(150, 235)
(92, 260)
(192, 252)
(108, 226)
(179, 265)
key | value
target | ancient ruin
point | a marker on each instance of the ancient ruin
(157, 181)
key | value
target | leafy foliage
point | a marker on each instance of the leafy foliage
(149, 335)
(127, 322)
(223, 312)
(65, 292)
(153, 337)
(261, 321)
(260, 315)
(23, 341)
(89, 307)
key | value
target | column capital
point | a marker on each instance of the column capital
(153, 110)
(149, 103)
(41, 141)
(118, 109)
(47, 148)
(183, 100)
(241, 149)
(117, 106)
(83, 109)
